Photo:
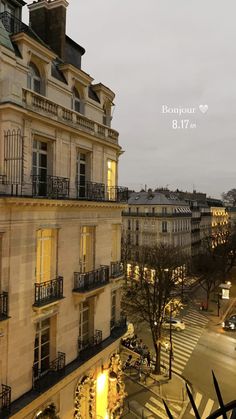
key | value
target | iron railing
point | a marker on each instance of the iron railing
(56, 187)
(157, 214)
(89, 345)
(117, 269)
(5, 400)
(3, 306)
(53, 187)
(118, 324)
(91, 191)
(90, 280)
(12, 24)
(49, 291)
(47, 377)
(221, 412)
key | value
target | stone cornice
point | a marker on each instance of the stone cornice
(63, 203)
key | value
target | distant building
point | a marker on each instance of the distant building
(60, 271)
(153, 217)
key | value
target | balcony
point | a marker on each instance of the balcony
(12, 24)
(89, 281)
(56, 187)
(93, 191)
(157, 214)
(5, 401)
(48, 292)
(47, 378)
(34, 101)
(117, 325)
(88, 347)
(3, 306)
(117, 269)
(52, 187)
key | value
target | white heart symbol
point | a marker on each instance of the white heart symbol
(203, 108)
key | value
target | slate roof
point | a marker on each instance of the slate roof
(155, 198)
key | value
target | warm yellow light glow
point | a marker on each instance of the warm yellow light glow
(102, 395)
(101, 381)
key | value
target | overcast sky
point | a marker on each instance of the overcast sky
(166, 52)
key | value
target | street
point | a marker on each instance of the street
(202, 347)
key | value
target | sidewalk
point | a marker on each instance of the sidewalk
(172, 391)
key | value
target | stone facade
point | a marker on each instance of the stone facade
(60, 229)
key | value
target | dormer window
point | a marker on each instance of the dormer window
(77, 105)
(34, 79)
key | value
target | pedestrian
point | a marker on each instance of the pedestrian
(149, 359)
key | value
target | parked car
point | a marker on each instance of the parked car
(176, 324)
(230, 323)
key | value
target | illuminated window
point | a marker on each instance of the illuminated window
(111, 178)
(87, 249)
(46, 255)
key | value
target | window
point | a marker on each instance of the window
(34, 79)
(164, 210)
(111, 178)
(137, 210)
(116, 240)
(137, 224)
(84, 322)
(137, 239)
(5, 7)
(42, 347)
(81, 174)
(164, 226)
(106, 116)
(46, 255)
(76, 101)
(40, 167)
(87, 249)
(129, 225)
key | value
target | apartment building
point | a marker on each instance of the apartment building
(60, 225)
(157, 217)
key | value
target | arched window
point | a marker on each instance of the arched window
(34, 79)
(77, 105)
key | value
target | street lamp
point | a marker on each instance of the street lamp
(171, 346)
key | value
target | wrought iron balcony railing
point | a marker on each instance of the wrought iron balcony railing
(56, 187)
(157, 214)
(91, 191)
(117, 325)
(53, 187)
(12, 24)
(117, 269)
(45, 378)
(89, 343)
(3, 306)
(49, 291)
(88, 281)
(5, 400)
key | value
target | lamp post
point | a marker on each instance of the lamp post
(171, 348)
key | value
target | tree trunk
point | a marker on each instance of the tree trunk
(207, 299)
(157, 369)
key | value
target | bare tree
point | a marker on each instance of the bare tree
(230, 197)
(147, 294)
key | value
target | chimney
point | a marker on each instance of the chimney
(48, 20)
